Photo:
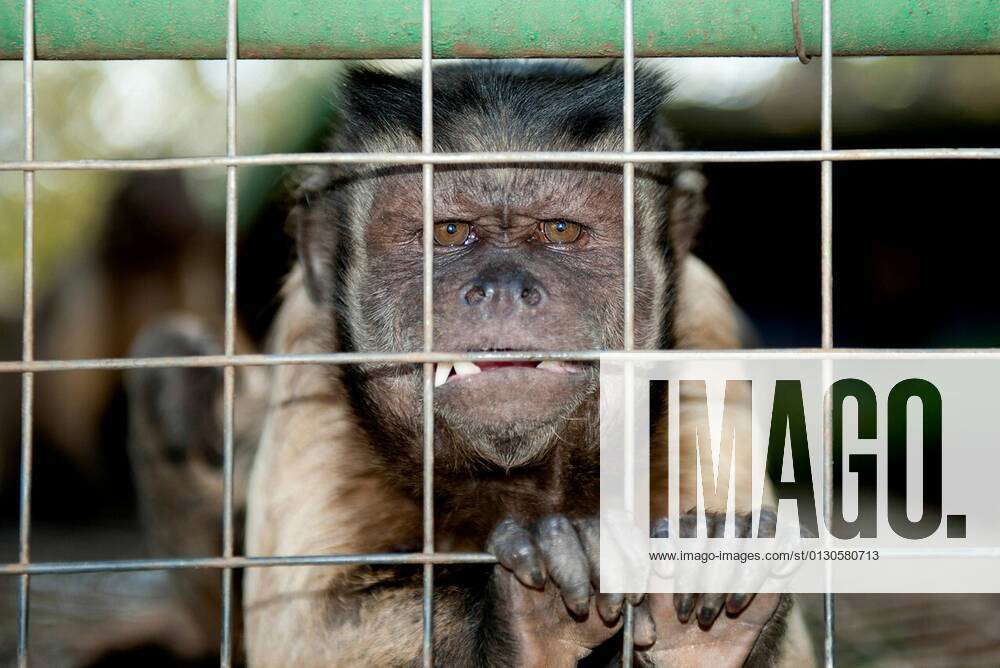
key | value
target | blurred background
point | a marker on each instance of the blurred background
(914, 262)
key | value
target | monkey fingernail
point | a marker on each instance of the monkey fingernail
(609, 606)
(737, 602)
(711, 606)
(577, 602)
(706, 616)
(533, 577)
(684, 604)
(644, 628)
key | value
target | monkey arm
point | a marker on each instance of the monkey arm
(371, 616)
(313, 491)
(707, 318)
(316, 489)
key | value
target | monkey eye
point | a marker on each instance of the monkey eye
(561, 231)
(452, 233)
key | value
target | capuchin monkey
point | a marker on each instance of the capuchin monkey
(526, 257)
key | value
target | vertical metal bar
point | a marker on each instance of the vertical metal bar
(229, 343)
(427, 146)
(628, 173)
(826, 226)
(628, 223)
(826, 143)
(28, 329)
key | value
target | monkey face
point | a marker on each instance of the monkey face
(526, 257)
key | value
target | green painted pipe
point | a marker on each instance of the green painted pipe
(115, 29)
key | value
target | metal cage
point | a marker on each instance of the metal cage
(24, 568)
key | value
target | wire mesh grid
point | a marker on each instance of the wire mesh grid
(27, 366)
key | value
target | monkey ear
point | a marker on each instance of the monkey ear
(687, 206)
(315, 244)
(686, 198)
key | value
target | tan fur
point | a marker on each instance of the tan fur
(316, 489)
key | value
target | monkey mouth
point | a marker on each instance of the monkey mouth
(447, 372)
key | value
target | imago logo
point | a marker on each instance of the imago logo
(799, 475)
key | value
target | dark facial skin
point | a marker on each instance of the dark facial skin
(525, 259)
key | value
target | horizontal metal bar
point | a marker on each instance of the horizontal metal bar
(118, 566)
(126, 29)
(382, 558)
(562, 157)
(19, 366)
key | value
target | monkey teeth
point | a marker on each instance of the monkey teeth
(466, 369)
(448, 371)
(441, 373)
(557, 366)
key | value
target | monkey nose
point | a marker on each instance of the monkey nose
(475, 295)
(493, 294)
(531, 296)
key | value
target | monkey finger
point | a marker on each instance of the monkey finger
(565, 562)
(745, 577)
(663, 569)
(684, 605)
(627, 560)
(514, 549)
(588, 531)
(737, 603)
(609, 606)
(711, 606)
(643, 626)
(748, 579)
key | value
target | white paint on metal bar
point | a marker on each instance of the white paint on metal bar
(628, 252)
(427, 146)
(507, 157)
(229, 338)
(386, 558)
(826, 262)
(35, 366)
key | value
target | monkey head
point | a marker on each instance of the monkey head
(526, 256)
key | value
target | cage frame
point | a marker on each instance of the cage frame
(229, 561)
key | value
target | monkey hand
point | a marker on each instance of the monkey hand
(719, 629)
(547, 582)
